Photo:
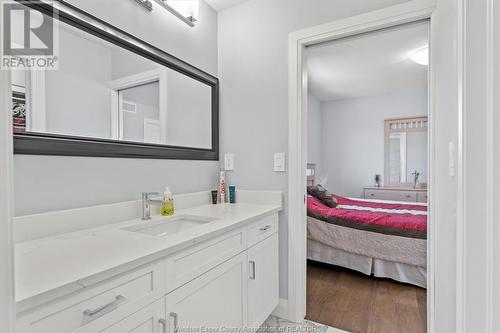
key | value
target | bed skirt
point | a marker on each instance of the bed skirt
(401, 272)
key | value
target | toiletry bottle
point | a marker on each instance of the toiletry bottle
(232, 194)
(168, 205)
(215, 197)
(222, 186)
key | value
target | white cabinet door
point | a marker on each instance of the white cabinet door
(263, 280)
(216, 299)
(150, 319)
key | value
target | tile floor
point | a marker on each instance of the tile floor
(278, 325)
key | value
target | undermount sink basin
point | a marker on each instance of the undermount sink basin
(161, 226)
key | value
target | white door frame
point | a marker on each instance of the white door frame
(153, 75)
(388, 17)
(7, 302)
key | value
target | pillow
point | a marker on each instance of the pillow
(322, 194)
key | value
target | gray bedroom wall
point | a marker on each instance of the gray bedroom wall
(44, 183)
(315, 136)
(354, 131)
(253, 68)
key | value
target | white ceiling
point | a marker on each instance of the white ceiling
(369, 65)
(219, 5)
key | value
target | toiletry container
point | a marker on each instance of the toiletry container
(215, 197)
(232, 194)
(222, 186)
(168, 205)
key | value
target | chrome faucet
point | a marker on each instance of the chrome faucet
(147, 202)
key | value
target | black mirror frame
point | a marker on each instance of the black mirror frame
(50, 144)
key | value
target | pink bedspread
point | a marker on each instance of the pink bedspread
(397, 219)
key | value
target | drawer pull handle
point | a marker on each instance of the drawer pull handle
(163, 324)
(267, 227)
(408, 196)
(102, 310)
(372, 194)
(176, 320)
(252, 264)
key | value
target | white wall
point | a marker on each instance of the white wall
(353, 136)
(189, 112)
(45, 183)
(253, 69)
(77, 96)
(496, 193)
(315, 136)
(478, 245)
(126, 63)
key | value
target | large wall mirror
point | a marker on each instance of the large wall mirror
(406, 151)
(113, 95)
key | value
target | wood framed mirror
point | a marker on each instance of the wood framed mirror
(405, 152)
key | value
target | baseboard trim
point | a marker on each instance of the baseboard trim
(281, 310)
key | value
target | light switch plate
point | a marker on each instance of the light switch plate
(279, 162)
(229, 161)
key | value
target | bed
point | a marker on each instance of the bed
(381, 238)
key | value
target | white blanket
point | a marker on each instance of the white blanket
(405, 250)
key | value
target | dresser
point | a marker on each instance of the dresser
(396, 194)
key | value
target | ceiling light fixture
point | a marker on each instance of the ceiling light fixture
(421, 56)
(185, 10)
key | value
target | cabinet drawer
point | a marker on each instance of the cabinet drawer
(191, 263)
(395, 195)
(150, 319)
(262, 229)
(96, 307)
(422, 196)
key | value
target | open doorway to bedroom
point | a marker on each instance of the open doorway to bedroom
(367, 175)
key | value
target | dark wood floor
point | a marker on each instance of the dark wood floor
(358, 303)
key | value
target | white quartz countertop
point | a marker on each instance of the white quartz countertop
(55, 266)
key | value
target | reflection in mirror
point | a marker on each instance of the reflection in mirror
(103, 91)
(140, 114)
(406, 151)
(397, 157)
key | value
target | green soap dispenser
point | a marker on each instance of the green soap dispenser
(168, 203)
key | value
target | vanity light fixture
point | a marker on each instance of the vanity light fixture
(146, 4)
(421, 56)
(186, 10)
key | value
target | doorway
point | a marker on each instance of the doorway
(367, 190)
(139, 114)
(297, 231)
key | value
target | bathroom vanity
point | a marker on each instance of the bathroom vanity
(103, 269)
(209, 266)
